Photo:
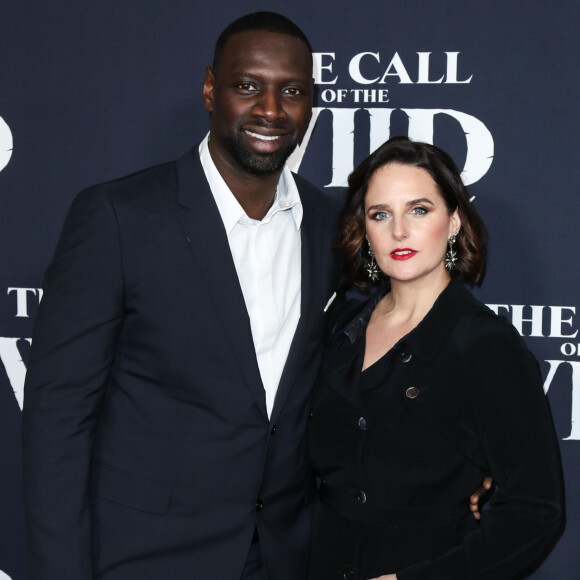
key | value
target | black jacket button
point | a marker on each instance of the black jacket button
(259, 505)
(406, 357)
(348, 574)
(361, 497)
(274, 427)
(362, 424)
(412, 392)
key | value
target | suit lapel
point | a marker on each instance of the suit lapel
(202, 223)
(311, 256)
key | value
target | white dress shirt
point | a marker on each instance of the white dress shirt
(268, 263)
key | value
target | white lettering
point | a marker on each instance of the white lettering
(575, 415)
(568, 349)
(424, 69)
(496, 308)
(22, 299)
(14, 365)
(354, 68)
(400, 71)
(380, 126)
(452, 69)
(295, 159)
(557, 321)
(342, 145)
(480, 147)
(318, 67)
(6, 144)
(536, 319)
(479, 141)
(328, 95)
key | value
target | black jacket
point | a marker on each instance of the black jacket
(461, 398)
(148, 449)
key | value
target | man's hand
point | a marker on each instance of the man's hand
(475, 499)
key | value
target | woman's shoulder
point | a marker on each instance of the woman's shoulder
(479, 322)
(481, 334)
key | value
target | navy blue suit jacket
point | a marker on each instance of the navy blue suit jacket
(148, 449)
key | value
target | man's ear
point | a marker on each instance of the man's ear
(208, 85)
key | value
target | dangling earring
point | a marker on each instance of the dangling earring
(450, 255)
(373, 269)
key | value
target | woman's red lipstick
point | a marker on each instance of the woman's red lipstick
(402, 253)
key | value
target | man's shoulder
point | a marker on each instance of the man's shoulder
(315, 199)
(147, 178)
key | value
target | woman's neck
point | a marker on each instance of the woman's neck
(409, 302)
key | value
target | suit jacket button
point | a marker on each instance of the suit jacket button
(412, 392)
(362, 424)
(348, 574)
(274, 427)
(259, 505)
(361, 497)
(406, 357)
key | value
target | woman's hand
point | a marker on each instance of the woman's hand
(479, 496)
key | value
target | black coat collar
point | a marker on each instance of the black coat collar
(424, 340)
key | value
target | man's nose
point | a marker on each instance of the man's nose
(269, 105)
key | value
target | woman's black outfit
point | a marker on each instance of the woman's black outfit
(400, 447)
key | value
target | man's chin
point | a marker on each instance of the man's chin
(264, 167)
(264, 164)
(259, 164)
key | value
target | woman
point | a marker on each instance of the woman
(423, 392)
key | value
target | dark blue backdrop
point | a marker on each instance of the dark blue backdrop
(91, 91)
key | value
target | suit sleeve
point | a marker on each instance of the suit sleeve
(514, 427)
(72, 352)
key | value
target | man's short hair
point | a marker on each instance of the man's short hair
(269, 21)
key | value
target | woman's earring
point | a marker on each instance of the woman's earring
(450, 255)
(373, 269)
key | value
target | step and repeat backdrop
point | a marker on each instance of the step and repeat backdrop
(90, 91)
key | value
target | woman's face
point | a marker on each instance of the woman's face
(408, 223)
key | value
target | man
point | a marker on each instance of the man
(178, 340)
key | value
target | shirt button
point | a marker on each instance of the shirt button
(361, 497)
(259, 505)
(348, 574)
(412, 393)
(362, 424)
(406, 357)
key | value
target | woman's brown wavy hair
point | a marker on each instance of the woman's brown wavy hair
(471, 240)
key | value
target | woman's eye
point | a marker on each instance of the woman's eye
(380, 215)
(420, 210)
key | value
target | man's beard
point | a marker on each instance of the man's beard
(253, 162)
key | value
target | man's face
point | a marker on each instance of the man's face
(260, 100)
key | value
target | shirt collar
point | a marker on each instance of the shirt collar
(287, 196)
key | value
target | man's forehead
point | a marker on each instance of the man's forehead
(252, 44)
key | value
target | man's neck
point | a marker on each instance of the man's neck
(255, 193)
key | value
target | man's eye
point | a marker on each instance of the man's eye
(292, 91)
(247, 87)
